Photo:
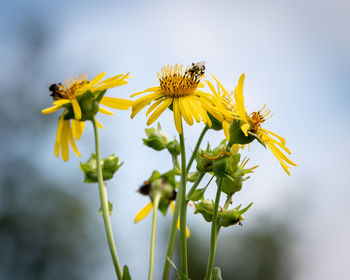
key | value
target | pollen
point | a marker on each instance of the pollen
(175, 82)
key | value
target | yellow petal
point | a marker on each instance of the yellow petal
(226, 128)
(77, 128)
(72, 142)
(105, 111)
(142, 102)
(117, 103)
(147, 90)
(187, 229)
(97, 79)
(58, 136)
(144, 212)
(185, 111)
(62, 102)
(177, 115)
(76, 109)
(50, 110)
(161, 108)
(154, 105)
(194, 112)
(245, 128)
(99, 125)
(64, 140)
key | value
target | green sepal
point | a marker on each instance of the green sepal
(180, 274)
(174, 148)
(110, 209)
(110, 165)
(192, 176)
(217, 273)
(198, 194)
(206, 208)
(215, 123)
(236, 134)
(126, 273)
(156, 138)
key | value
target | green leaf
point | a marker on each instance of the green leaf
(217, 273)
(110, 209)
(179, 272)
(126, 273)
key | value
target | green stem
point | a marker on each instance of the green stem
(214, 234)
(172, 235)
(153, 237)
(195, 185)
(228, 201)
(104, 205)
(183, 207)
(194, 153)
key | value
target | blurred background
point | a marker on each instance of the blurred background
(296, 56)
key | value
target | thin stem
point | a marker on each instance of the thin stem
(104, 205)
(228, 201)
(194, 153)
(214, 234)
(183, 207)
(153, 237)
(194, 186)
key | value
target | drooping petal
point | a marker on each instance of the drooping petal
(185, 111)
(143, 212)
(77, 128)
(72, 142)
(147, 90)
(116, 103)
(58, 135)
(154, 105)
(177, 115)
(64, 140)
(142, 102)
(76, 109)
(226, 128)
(161, 108)
(99, 125)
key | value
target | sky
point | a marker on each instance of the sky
(296, 57)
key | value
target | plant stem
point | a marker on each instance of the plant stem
(228, 201)
(194, 153)
(153, 237)
(214, 234)
(195, 185)
(183, 207)
(104, 205)
(172, 235)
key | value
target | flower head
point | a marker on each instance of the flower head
(179, 91)
(80, 99)
(251, 125)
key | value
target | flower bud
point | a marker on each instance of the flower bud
(237, 136)
(174, 148)
(109, 167)
(156, 138)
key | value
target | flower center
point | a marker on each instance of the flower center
(60, 91)
(257, 118)
(176, 83)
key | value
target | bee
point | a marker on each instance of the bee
(145, 189)
(56, 91)
(197, 68)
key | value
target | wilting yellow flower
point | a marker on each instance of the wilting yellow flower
(251, 124)
(143, 213)
(70, 127)
(179, 90)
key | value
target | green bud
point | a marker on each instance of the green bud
(198, 194)
(217, 273)
(164, 184)
(192, 176)
(156, 138)
(231, 217)
(109, 167)
(174, 148)
(236, 134)
(225, 217)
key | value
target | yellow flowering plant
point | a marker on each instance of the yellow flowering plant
(182, 91)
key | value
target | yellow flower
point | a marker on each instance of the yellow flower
(251, 124)
(68, 96)
(143, 213)
(179, 91)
